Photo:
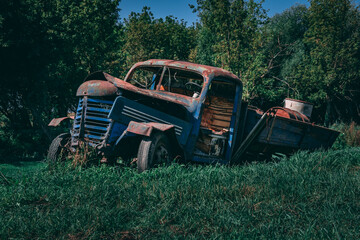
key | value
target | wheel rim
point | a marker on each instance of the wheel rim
(161, 155)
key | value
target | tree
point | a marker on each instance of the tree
(147, 37)
(46, 49)
(329, 73)
(230, 37)
(282, 51)
(232, 27)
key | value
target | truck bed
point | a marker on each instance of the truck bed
(276, 134)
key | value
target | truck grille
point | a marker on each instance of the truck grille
(91, 121)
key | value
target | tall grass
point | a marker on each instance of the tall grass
(349, 136)
(308, 196)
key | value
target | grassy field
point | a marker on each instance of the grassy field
(308, 196)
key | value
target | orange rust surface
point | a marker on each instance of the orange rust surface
(257, 110)
(288, 113)
(96, 88)
(146, 129)
(204, 70)
(208, 72)
(217, 113)
(168, 96)
(56, 121)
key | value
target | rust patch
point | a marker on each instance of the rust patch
(288, 113)
(167, 96)
(146, 129)
(208, 72)
(96, 88)
(204, 70)
(217, 113)
(56, 121)
(257, 110)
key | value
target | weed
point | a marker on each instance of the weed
(84, 156)
(349, 136)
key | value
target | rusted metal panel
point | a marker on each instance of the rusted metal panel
(96, 88)
(288, 135)
(167, 96)
(204, 70)
(217, 113)
(256, 110)
(288, 113)
(208, 72)
(212, 144)
(145, 129)
(56, 121)
(284, 130)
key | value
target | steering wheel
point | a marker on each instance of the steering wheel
(137, 83)
(190, 86)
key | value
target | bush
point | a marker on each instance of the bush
(349, 136)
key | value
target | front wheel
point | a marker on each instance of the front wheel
(153, 151)
(57, 150)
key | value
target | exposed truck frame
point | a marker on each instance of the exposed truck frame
(165, 108)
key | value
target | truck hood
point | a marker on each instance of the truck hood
(103, 84)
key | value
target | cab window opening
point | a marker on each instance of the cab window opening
(172, 80)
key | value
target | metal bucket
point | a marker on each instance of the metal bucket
(299, 106)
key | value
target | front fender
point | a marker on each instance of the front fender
(143, 129)
(56, 121)
(146, 129)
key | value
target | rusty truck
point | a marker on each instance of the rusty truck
(166, 109)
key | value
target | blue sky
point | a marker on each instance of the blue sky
(181, 10)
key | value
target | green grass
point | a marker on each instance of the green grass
(308, 196)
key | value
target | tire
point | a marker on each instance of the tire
(153, 151)
(56, 149)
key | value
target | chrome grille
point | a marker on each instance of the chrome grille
(91, 121)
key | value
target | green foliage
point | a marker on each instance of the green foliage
(146, 37)
(349, 136)
(311, 54)
(306, 196)
(46, 49)
(20, 141)
(281, 52)
(229, 32)
(230, 37)
(329, 76)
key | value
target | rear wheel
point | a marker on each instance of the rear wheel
(58, 149)
(153, 151)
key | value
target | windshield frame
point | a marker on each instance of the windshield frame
(163, 73)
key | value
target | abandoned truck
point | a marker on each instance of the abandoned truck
(164, 109)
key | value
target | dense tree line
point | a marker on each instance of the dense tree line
(47, 47)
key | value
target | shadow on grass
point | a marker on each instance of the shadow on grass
(18, 160)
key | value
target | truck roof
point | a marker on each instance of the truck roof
(204, 70)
